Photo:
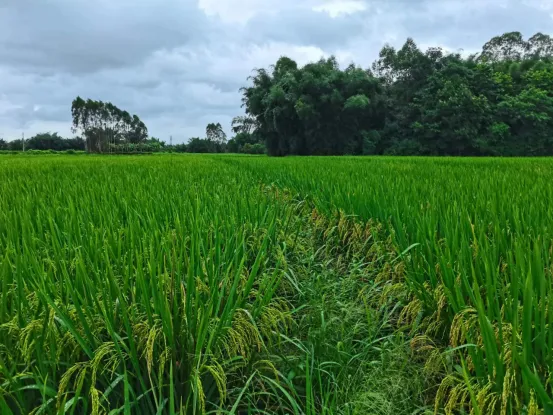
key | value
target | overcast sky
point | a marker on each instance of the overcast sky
(178, 64)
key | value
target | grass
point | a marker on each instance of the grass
(224, 284)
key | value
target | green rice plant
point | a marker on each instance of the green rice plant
(479, 262)
(227, 284)
(133, 288)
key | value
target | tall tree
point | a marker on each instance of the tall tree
(244, 124)
(317, 109)
(104, 125)
(509, 46)
(214, 132)
(410, 102)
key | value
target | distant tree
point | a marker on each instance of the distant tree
(509, 46)
(513, 48)
(75, 143)
(244, 124)
(104, 125)
(180, 148)
(257, 148)
(317, 109)
(137, 131)
(155, 144)
(15, 145)
(232, 146)
(237, 143)
(157, 140)
(215, 133)
(46, 141)
(539, 46)
(201, 145)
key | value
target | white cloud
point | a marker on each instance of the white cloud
(340, 7)
(236, 11)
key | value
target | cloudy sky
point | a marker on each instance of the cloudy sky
(178, 64)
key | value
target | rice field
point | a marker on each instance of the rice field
(188, 284)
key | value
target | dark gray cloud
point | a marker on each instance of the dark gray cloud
(85, 36)
(178, 64)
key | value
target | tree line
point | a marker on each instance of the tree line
(411, 102)
(108, 129)
(245, 141)
(48, 141)
(105, 128)
(44, 141)
(497, 102)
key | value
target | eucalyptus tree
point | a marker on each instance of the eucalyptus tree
(244, 124)
(214, 132)
(104, 126)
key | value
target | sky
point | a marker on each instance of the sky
(179, 64)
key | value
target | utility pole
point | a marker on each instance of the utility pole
(23, 140)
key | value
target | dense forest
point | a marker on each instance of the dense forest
(498, 102)
(411, 102)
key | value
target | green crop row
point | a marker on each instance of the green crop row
(477, 239)
(232, 284)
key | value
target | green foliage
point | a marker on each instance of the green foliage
(180, 148)
(45, 141)
(104, 125)
(13, 145)
(317, 109)
(257, 148)
(52, 141)
(412, 102)
(512, 47)
(215, 133)
(42, 152)
(370, 141)
(204, 145)
(244, 124)
(357, 102)
(244, 142)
